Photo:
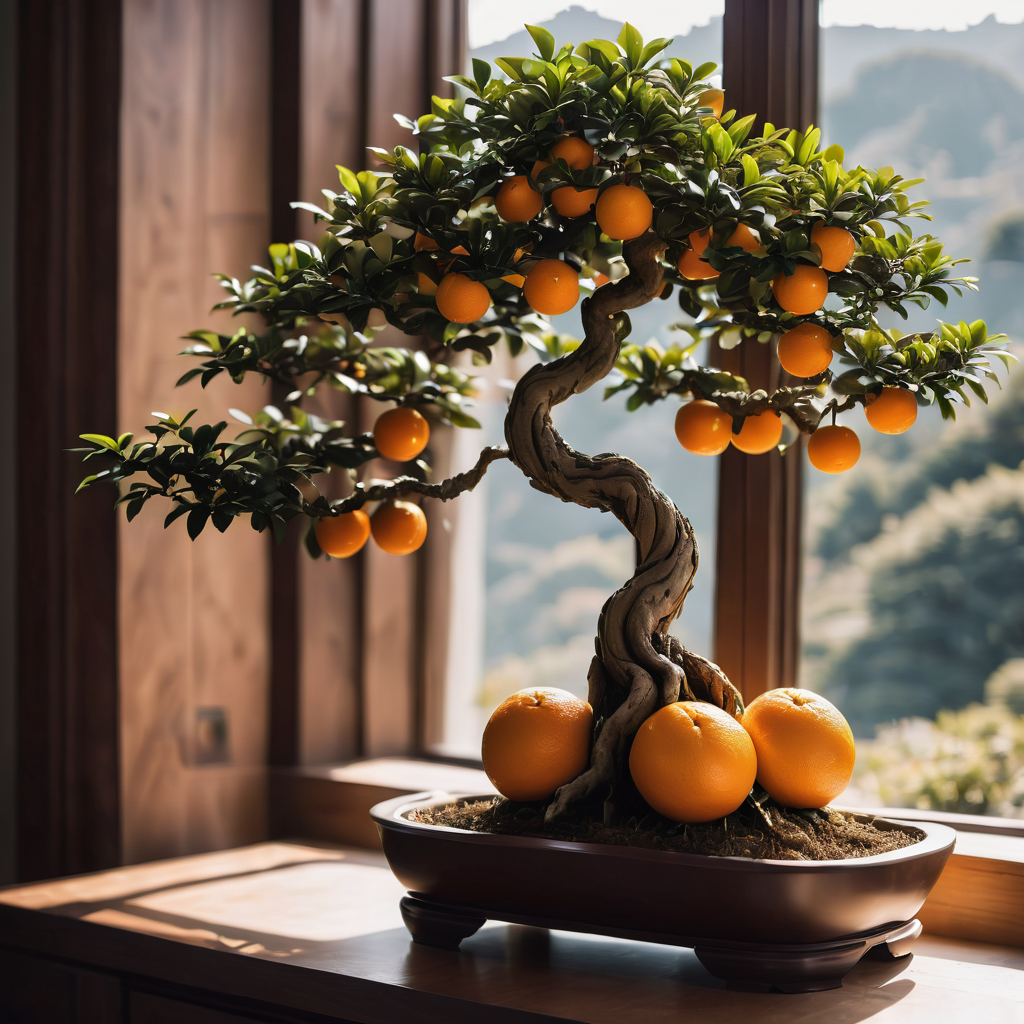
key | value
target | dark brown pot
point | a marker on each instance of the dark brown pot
(794, 925)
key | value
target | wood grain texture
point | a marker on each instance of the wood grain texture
(194, 617)
(320, 933)
(68, 94)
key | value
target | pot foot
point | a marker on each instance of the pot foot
(432, 925)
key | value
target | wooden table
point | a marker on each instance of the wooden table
(288, 933)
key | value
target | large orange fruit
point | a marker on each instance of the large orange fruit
(833, 449)
(702, 428)
(802, 292)
(425, 284)
(806, 350)
(805, 748)
(552, 287)
(744, 238)
(536, 741)
(891, 412)
(713, 98)
(572, 202)
(693, 268)
(577, 153)
(624, 212)
(760, 433)
(836, 245)
(461, 300)
(342, 536)
(693, 762)
(399, 527)
(516, 201)
(401, 434)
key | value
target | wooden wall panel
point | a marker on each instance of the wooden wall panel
(193, 617)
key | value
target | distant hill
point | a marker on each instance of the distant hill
(577, 25)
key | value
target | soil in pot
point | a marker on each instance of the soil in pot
(767, 831)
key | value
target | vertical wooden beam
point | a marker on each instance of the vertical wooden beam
(770, 68)
(69, 85)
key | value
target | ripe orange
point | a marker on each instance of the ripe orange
(699, 240)
(552, 287)
(702, 428)
(517, 279)
(516, 201)
(399, 527)
(805, 748)
(461, 300)
(401, 434)
(803, 291)
(600, 280)
(744, 238)
(836, 245)
(891, 412)
(344, 535)
(538, 166)
(624, 212)
(426, 285)
(572, 202)
(693, 762)
(536, 741)
(833, 449)
(713, 98)
(760, 433)
(806, 350)
(423, 242)
(693, 268)
(574, 151)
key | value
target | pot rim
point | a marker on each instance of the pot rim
(390, 814)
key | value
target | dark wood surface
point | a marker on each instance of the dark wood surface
(292, 932)
(769, 68)
(69, 87)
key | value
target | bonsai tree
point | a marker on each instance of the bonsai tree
(600, 170)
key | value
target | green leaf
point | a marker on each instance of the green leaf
(197, 518)
(543, 38)
(835, 153)
(481, 72)
(632, 42)
(102, 440)
(349, 182)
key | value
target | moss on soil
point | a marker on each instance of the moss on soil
(776, 834)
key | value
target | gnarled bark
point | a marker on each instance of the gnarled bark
(637, 667)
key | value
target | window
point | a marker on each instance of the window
(531, 574)
(913, 587)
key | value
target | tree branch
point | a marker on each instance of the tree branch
(443, 491)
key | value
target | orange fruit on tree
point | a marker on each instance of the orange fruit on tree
(423, 242)
(461, 300)
(401, 434)
(342, 536)
(399, 527)
(836, 244)
(802, 292)
(552, 287)
(516, 201)
(744, 238)
(693, 762)
(760, 433)
(713, 98)
(833, 449)
(536, 741)
(517, 279)
(624, 212)
(425, 284)
(572, 202)
(577, 153)
(891, 412)
(699, 240)
(805, 749)
(806, 350)
(693, 268)
(703, 428)
(600, 280)
(538, 166)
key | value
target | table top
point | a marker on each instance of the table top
(319, 929)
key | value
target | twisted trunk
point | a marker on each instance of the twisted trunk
(637, 667)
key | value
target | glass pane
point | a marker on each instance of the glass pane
(531, 573)
(913, 608)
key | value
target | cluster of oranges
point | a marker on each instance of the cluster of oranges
(397, 527)
(550, 286)
(691, 761)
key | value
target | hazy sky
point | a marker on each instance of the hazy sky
(491, 20)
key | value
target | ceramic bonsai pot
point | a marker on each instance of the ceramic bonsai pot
(795, 926)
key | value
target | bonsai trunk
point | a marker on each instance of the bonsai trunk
(637, 667)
